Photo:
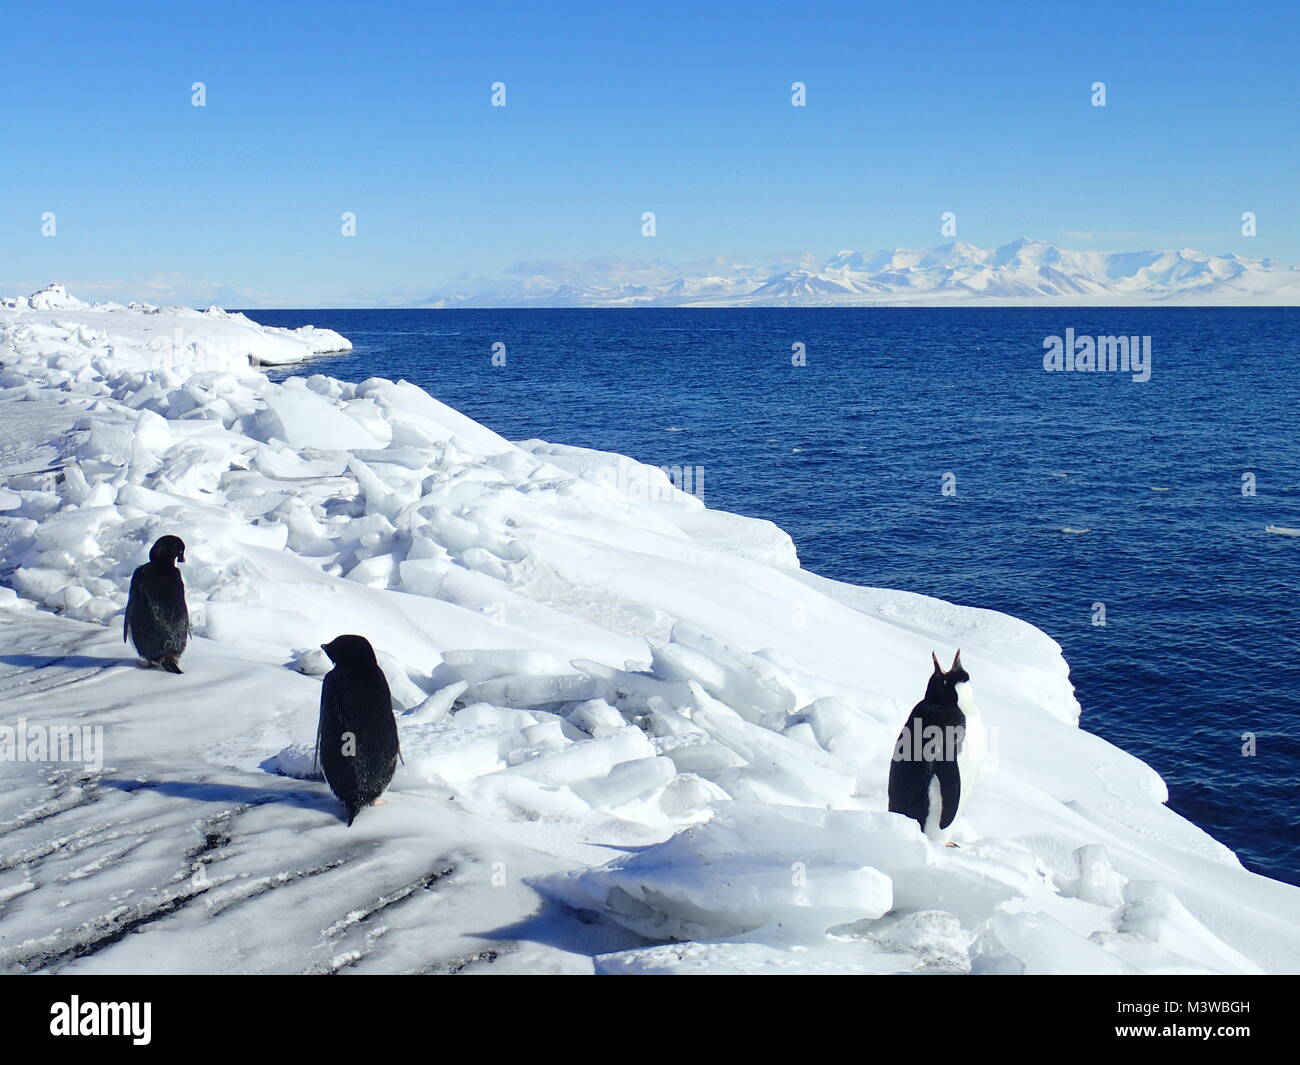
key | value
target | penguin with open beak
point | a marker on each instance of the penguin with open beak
(937, 755)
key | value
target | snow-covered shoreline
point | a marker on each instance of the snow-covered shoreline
(610, 698)
(168, 336)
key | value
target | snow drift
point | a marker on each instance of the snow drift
(612, 701)
(164, 336)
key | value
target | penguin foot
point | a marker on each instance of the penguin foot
(950, 844)
(380, 802)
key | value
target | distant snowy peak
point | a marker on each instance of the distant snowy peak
(1030, 270)
(1024, 271)
(808, 283)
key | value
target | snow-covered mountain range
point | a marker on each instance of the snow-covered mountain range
(1022, 272)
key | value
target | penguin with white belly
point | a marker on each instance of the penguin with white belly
(939, 753)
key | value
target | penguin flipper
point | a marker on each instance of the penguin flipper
(137, 599)
(949, 777)
(316, 764)
(130, 606)
(909, 778)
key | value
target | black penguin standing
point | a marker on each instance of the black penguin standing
(925, 777)
(157, 620)
(356, 741)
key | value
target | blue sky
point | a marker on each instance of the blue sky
(612, 110)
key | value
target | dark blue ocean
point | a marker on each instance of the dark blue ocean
(1201, 642)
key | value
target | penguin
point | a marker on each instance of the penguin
(939, 753)
(356, 739)
(973, 751)
(157, 619)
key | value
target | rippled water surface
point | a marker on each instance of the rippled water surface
(848, 454)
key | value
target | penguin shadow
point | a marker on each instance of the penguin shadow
(569, 929)
(272, 765)
(65, 661)
(239, 794)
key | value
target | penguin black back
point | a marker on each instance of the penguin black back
(356, 739)
(924, 778)
(157, 619)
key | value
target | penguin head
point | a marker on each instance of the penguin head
(943, 684)
(167, 550)
(957, 673)
(350, 652)
(961, 686)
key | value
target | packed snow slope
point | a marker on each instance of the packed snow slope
(167, 336)
(638, 737)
